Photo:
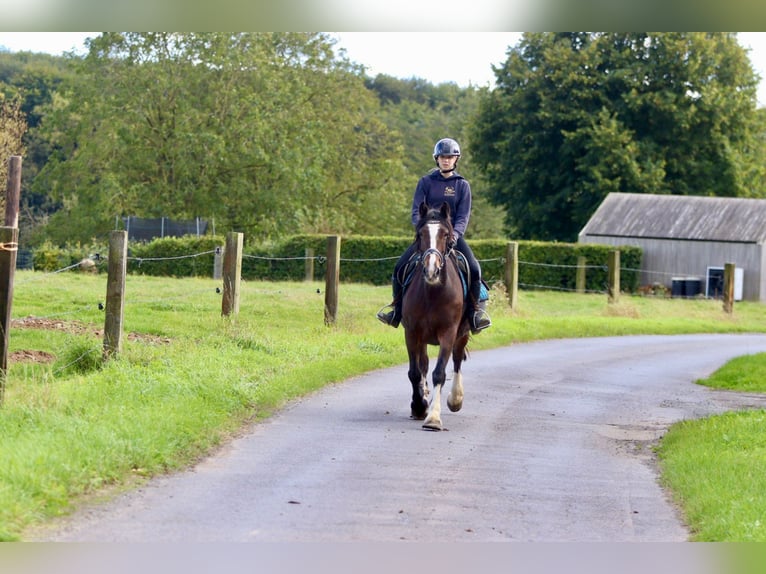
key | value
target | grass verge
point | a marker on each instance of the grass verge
(716, 467)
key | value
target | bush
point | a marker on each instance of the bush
(49, 258)
(189, 256)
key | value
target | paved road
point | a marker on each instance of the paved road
(553, 444)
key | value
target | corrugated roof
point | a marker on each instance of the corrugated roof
(680, 217)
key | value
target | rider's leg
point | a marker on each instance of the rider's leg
(392, 314)
(477, 313)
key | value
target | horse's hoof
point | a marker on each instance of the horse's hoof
(454, 407)
(419, 411)
(432, 425)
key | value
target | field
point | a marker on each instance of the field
(74, 426)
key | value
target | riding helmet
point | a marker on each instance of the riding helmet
(446, 146)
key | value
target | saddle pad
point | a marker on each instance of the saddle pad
(406, 274)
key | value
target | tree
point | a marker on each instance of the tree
(31, 81)
(12, 129)
(266, 133)
(575, 116)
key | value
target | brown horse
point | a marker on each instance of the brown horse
(433, 313)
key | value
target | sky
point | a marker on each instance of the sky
(465, 58)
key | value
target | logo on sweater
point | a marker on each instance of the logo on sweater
(449, 191)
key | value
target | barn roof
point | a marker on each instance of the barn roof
(683, 217)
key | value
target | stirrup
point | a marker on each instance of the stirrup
(480, 321)
(388, 317)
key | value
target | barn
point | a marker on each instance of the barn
(687, 240)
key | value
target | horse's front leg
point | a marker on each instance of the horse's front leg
(455, 398)
(417, 376)
(433, 420)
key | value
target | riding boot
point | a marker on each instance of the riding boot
(477, 308)
(392, 314)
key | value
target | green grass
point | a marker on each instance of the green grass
(716, 466)
(187, 378)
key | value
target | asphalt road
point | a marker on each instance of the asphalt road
(553, 444)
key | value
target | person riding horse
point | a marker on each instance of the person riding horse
(443, 185)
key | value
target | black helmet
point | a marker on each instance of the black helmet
(446, 146)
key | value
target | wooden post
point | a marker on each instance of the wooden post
(580, 279)
(332, 279)
(13, 192)
(512, 273)
(232, 273)
(309, 264)
(614, 276)
(218, 263)
(115, 293)
(728, 287)
(9, 245)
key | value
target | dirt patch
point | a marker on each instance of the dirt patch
(31, 357)
(79, 328)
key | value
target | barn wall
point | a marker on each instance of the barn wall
(665, 259)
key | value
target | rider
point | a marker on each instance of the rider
(443, 184)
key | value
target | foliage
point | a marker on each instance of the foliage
(422, 114)
(51, 258)
(31, 80)
(175, 256)
(266, 133)
(12, 128)
(578, 115)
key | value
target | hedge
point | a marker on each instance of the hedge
(547, 265)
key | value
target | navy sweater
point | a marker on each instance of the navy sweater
(434, 189)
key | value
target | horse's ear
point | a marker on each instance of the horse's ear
(445, 210)
(423, 209)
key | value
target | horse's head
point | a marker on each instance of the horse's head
(433, 234)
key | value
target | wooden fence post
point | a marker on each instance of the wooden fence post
(332, 280)
(232, 273)
(728, 287)
(218, 263)
(614, 277)
(512, 273)
(309, 264)
(9, 238)
(580, 278)
(115, 293)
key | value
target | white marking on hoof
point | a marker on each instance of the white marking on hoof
(455, 398)
(434, 418)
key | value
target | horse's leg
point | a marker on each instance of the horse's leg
(455, 398)
(419, 404)
(433, 420)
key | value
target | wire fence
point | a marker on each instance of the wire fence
(321, 260)
(83, 313)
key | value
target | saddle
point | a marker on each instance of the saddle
(408, 270)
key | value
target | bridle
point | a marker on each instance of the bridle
(433, 271)
(441, 256)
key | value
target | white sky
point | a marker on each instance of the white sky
(461, 57)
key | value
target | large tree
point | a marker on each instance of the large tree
(575, 116)
(264, 133)
(12, 129)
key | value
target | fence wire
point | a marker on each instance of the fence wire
(30, 276)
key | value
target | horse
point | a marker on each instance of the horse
(433, 313)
